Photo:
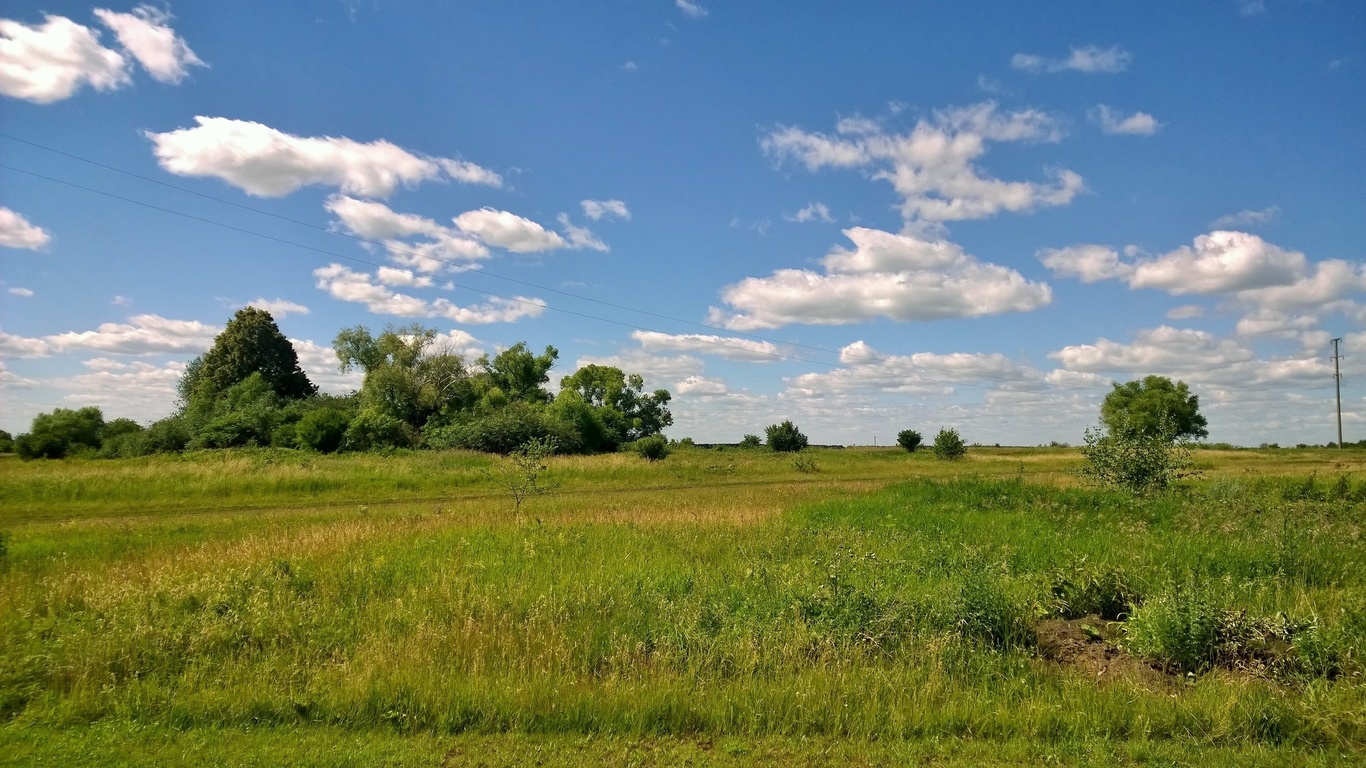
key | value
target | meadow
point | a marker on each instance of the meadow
(847, 606)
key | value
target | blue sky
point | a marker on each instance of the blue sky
(863, 217)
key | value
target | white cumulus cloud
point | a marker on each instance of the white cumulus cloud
(50, 62)
(267, 162)
(609, 209)
(508, 230)
(900, 277)
(1247, 218)
(17, 232)
(1087, 262)
(347, 285)
(933, 166)
(146, 34)
(1113, 122)
(729, 347)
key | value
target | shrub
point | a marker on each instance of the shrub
(170, 435)
(62, 432)
(751, 441)
(908, 439)
(322, 430)
(6, 442)
(785, 437)
(652, 448)
(1136, 461)
(987, 613)
(373, 429)
(948, 446)
(805, 465)
(231, 430)
(520, 472)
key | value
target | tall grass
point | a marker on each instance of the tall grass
(799, 610)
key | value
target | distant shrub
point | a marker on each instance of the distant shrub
(505, 430)
(687, 442)
(322, 430)
(805, 465)
(520, 471)
(785, 437)
(908, 439)
(231, 430)
(948, 446)
(987, 613)
(1081, 591)
(1136, 461)
(6, 442)
(170, 435)
(60, 433)
(751, 441)
(652, 448)
(373, 429)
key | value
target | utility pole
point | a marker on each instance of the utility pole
(1337, 380)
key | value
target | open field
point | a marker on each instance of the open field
(863, 606)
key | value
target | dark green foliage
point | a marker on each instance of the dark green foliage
(785, 437)
(751, 441)
(652, 448)
(119, 428)
(519, 374)
(322, 430)
(58, 434)
(629, 413)
(1153, 407)
(6, 442)
(251, 343)
(373, 429)
(507, 429)
(1081, 591)
(908, 439)
(948, 446)
(1135, 461)
(988, 614)
(246, 413)
(170, 435)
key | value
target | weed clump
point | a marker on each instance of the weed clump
(987, 613)
(1081, 591)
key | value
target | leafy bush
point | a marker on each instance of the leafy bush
(805, 465)
(987, 613)
(948, 446)
(652, 448)
(520, 472)
(1081, 591)
(908, 439)
(231, 430)
(506, 430)
(170, 435)
(58, 434)
(322, 430)
(785, 437)
(1136, 461)
(373, 429)
(6, 442)
(751, 441)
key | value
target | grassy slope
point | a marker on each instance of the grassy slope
(226, 606)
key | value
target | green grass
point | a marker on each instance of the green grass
(712, 608)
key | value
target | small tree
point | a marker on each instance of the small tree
(652, 448)
(908, 439)
(785, 437)
(57, 434)
(250, 343)
(521, 471)
(751, 441)
(1137, 461)
(948, 446)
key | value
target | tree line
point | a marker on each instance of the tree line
(248, 389)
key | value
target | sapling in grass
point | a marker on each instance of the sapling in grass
(520, 472)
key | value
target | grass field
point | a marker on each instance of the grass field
(859, 606)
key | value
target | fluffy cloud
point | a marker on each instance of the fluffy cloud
(52, 61)
(137, 390)
(866, 369)
(146, 35)
(1330, 281)
(402, 277)
(1162, 349)
(266, 162)
(1269, 322)
(17, 232)
(347, 285)
(1089, 59)
(377, 221)
(1185, 312)
(20, 292)
(895, 276)
(278, 307)
(700, 385)
(812, 212)
(323, 368)
(580, 237)
(722, 346)
(932, 166)
(609, 209)
(1088, 263)
(1113, 123)
(1220, 262)
(1246, 218)
(508, 230)
(141, 335)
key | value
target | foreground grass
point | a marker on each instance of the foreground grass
(713, 609)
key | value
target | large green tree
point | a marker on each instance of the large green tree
(623, 406)
(1153, 406)
(519, 374)
(56, 434)
(408, 376)
(251, 343)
